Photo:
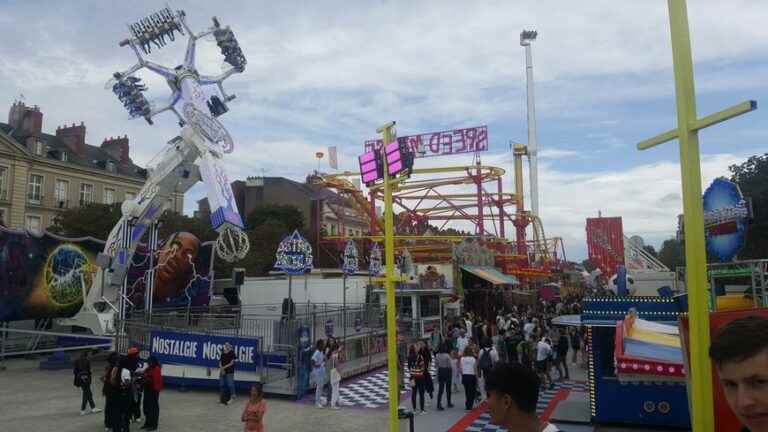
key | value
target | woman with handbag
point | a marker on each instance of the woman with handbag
(417, 366)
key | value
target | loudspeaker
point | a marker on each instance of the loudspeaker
(238, 276)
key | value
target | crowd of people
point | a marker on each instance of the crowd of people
(130, 385)
(470, 346)
(126, 381)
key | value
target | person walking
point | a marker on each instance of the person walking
(335, 375)
(318, 371)
(561, 357)
(227, 374)
(429, 384)
(417, 364)
(444, 375)
(456, 370)
(253, 414)
(83, 378)
(153, 385)
(543, 353)
(575, 345)
(469, 378)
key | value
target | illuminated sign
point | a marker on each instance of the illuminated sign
(294, 255)
(370, 171)
(725, 219)
(456, 141)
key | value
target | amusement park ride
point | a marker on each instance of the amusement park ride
(195, 155)
(438, 195)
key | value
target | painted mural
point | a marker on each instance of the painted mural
(183, 273)
(46, 276)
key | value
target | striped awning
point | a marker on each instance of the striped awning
(491, 274)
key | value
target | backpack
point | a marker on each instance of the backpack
(485, 359)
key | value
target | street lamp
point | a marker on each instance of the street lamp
(526, 37)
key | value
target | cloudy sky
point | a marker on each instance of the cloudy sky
(324, 73)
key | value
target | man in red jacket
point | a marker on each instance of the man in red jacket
(153, 385)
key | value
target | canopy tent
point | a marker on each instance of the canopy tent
(491, 275)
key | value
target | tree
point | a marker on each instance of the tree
(174, 222)
(671, 253)
(288, 215)
(94, 220)
(651, 250)
(752, 178)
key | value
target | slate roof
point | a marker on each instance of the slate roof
(94, 158)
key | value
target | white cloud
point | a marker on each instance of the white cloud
(329, 73)
(554, 153)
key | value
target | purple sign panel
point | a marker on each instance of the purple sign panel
(456, 141)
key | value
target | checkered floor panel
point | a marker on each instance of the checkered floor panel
(483, 423)
(369, 391)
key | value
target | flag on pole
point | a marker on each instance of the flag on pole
(332, 159)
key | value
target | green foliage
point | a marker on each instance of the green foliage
(290, 216)
(94, 220)
(651, 250)
(752, 178)
(671, 253)
(174, 222)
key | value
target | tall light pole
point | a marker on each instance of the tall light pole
(526, 37)
(388, 135)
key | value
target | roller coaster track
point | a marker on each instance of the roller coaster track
(447, 206)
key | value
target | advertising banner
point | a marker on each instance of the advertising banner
(725, 220)
(203, 350)
(444, 143)
(605, 244)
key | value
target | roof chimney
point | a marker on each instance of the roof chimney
(27, 119)
(118, 148)
(73, 136)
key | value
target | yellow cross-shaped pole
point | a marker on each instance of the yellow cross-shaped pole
(387, 131)
(688, 125)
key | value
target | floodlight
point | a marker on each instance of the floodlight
(370, 167)
(527, 36)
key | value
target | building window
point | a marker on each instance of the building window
(3, 222)
(3, 183)
(39, 148)
(86, 194)
(61, 194)
(33, 223)
(333, 229)
(110, 166)
(429, 306)
(64, 157)
(109, 196)
(35, 188)
(130, 196)
(404, 307)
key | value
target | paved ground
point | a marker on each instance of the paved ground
(32, 400)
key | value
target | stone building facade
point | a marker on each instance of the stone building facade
(43, 174)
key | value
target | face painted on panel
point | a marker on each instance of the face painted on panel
(175, 264)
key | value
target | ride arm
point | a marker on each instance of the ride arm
(175, 173)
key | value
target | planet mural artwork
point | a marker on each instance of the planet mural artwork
(47, 276)
(68, 273)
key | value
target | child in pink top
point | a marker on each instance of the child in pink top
(253, 414)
